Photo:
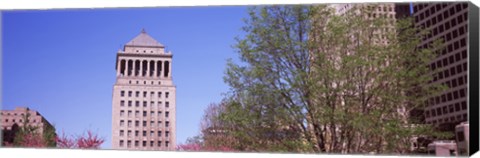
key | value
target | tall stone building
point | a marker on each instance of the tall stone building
(449, 22)
(143, 104)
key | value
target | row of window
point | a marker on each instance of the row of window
(446, 109)
(137, 113)
(144, 123)
(144, 143)
(438, 7)
(449, 96)
(144, 82)
(137, 94)
(458, 118)
(446, 26)
(380, 8)
(20, 120)
(137, 104)
(144, 133)
(451, 72)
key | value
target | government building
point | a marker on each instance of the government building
(143, 100)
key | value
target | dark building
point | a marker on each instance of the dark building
(448, 22)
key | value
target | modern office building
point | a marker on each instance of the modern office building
(447, 21)
(13, 120)
(143, 104)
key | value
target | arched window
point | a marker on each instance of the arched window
(144, 67)
(130, 67)
(167, 66)
(159, 68)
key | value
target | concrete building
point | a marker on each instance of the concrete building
(143, 104)
(462, 138)
(449, 22)
(12, 120)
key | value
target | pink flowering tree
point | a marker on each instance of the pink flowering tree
(89, 141)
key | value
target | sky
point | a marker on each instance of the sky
(62, 62)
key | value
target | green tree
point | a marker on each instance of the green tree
(315, 81)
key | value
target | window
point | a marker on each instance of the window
(457, 107)
(121, 143)
(144, 143)
(159, 114)
(136, 133)
(137, 104)
(122, 93)
(129, 103)
(464, 105)
(152, 104)
(129, 113)
(159, 94)
(462, 93)
(144, 113)
(460, 136)
(159, 133)
(122, 113)
(159, 104)
(144, 123)
(166, 114)
(129, 93)
(129, 133)
(121, 123)
(151, 133)
(137, 93)
(144, 133)
(137, 123)
(144, 104)
(166, 143)
(129, 143)
(129, 123)
(122, 103)
(152, 123)
(159, 123)
(145, 94)
(167, 104)
(451, 109)
(159, 143)
(152, 93)
(121, 132)
(166, 94)
(167, 123)
(151, 143)
(137, 143)
(152, 113)
(137, 113)
(167, 133)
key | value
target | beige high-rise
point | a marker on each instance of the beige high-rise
(143, 104)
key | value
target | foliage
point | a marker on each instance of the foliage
(315, 81)
(29, 135)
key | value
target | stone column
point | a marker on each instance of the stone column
(133, 65)
(155, 65)
(119, 67)
(140, 72)
(148, 69)
(169, 75)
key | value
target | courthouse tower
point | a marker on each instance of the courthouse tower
(143, 104)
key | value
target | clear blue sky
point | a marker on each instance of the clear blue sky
(62, 62)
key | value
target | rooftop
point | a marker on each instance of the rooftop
(145, 40)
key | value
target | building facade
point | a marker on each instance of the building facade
(143, 104)
(448, 22)
(12, 120)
